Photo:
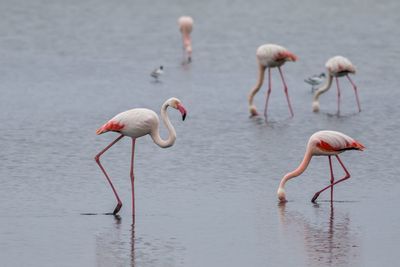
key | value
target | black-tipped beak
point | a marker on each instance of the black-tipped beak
(182, 110)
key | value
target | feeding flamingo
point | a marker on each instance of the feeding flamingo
(322, 143)
(337, 67)
(186, 26)
(135, 123)
(270, 56)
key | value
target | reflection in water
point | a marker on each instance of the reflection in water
(329, 241)
(133, 243)
(121, 245)
(111, 249)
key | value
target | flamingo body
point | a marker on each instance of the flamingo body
(270, 56)
(340, 66)
(322, 143)
(326, 143)
(337, 66)
(185, 24)
(135, 123)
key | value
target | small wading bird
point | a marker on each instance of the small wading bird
(315, 80)
(156, 73)
(185, 26)
(270, 56)
(337, 67)
(322, 143)
(135, 123)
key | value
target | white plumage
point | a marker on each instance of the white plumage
(156, 73)
(270, 56)
(322, 143)
(337, 66)
(337, 140)
(136, 123)
(315, 80)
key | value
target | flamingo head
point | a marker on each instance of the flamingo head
(177, 104)
(253, 111)
(315, 106)
(281, 194)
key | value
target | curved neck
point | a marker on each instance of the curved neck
(253, 92)
(323, 88)
(155, 134)
(299, 170)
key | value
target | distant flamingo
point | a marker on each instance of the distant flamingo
(322, 143)
(337, 67)
(186, 26)
(270, 56)
(136, 123)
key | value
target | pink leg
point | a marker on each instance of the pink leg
(332, 177)
(347, 176)
(268, 93)
(338, 95)
(97, 159)
(356, 92)
(133, 177)
(286, 92)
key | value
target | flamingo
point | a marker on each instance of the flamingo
(135, 123)
(270, 56)
(322, 143)
(186, 26)
(337, 66)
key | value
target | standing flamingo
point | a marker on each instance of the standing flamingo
(186, 26)
(337, 67)
(136, 123)
(322, 143)
(270, 56)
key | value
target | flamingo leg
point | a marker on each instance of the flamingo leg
(338, 95)
(286, 91)
(355, 91)
(347, 176)
(97, 159)
(133, 177)
(332, 177)
(268, 93)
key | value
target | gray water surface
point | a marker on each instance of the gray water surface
(210, 200)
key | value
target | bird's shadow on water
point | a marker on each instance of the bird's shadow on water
(93, 214)
(329, 239)
(156, 81)
(340, 116)
(336, 201)
(270, 123)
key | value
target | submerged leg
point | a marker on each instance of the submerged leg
(347, 176)
(133, 177)
(355, 91)
(97, 159)
(338, 95)
(286, 91)
(268, 93)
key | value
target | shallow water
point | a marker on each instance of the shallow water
(210, 200)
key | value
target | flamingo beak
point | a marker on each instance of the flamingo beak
(182, 110)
